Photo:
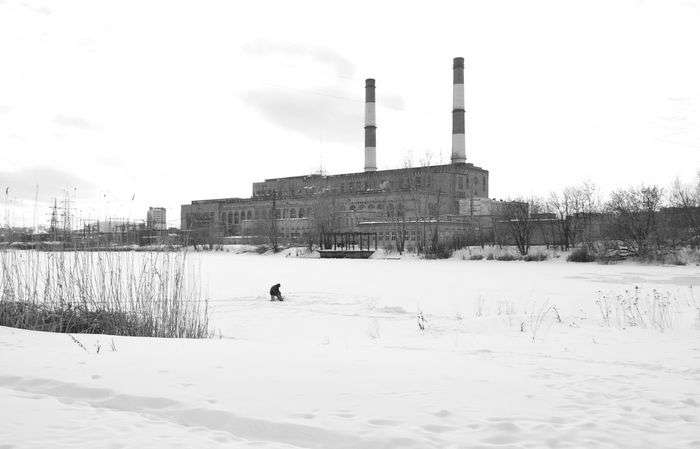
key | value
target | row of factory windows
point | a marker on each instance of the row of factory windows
(405, 182)
(235, 217)
(350, 186)
(392, 209)
(465, 182)
(392, 236)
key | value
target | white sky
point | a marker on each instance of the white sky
(173, 101)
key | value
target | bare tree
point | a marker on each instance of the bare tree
(573, 207)
(519, 222)
(423, 195)
(634, 214)
(680, 224)
(324, 211)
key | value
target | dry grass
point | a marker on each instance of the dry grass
(653, 309)
(145, 294)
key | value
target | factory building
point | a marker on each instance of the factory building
(408, 200)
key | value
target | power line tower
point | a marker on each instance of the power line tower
(36, 205)
(7, 208)
(66, 216)
(53, 227)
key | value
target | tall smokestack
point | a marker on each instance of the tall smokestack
(459, 154)
(370, 127)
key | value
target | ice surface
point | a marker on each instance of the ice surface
(343, 364)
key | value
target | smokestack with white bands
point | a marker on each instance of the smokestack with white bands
(459, 154)
(370, 127)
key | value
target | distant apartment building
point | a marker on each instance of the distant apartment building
(155, 219)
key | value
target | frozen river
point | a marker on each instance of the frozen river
(343, 363)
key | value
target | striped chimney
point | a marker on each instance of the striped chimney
(370, 127)
(459, 155)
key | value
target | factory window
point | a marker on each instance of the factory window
(419, 182)
(362, 206)
(380, 206)
(235, 218)
(371, 206)
(249, 215)
(460, 183)
(483, 182)
(292, 213)
(352, 208)
(301, 212)
(230, 217)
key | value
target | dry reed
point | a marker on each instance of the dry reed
(144, 294)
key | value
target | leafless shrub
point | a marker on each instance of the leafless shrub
(581, 254)
(538, 257)
(539, 317)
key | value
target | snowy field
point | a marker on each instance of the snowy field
(343, 363)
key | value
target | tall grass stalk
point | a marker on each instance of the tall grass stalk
(137, 294)
(651, 309)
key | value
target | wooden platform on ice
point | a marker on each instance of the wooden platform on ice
(345, 254)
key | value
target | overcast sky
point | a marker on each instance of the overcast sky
(126, 104)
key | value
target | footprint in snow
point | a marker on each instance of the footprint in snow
(436, 428)
(443, 413)
(383, 422)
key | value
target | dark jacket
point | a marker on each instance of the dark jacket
(275, 290)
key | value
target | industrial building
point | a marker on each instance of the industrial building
(403, 204)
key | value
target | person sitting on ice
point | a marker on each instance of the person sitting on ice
(275, 294)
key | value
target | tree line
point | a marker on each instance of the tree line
(645, 220)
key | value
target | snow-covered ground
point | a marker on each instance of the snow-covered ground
(343, 364)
